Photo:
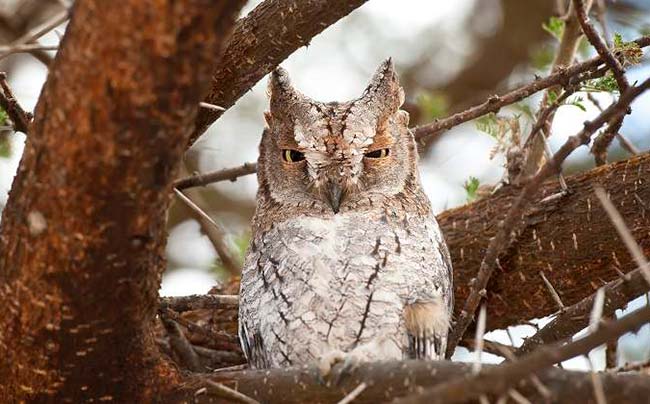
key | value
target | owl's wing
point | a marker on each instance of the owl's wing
(428, 320)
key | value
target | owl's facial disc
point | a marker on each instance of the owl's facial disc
(337, 156)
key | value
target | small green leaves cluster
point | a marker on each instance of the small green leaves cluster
(630, 52)
(432, 105)
(577, 101)
(555, 27)
(471, 188)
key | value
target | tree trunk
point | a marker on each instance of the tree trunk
(83, 232)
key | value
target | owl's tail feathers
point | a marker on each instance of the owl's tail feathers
(427, 325)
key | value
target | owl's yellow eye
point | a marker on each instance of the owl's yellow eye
(378, 154)
(292, 156)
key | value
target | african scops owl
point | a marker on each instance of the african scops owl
(346, 258)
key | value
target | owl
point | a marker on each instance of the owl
(346, 260)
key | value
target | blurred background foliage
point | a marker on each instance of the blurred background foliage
(450, 55)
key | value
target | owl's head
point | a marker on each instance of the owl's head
(331, 157)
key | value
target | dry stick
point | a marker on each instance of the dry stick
(196, 302)
(503, 235)
(221, 390)
(552, 291)
(218, 238)
(499, 379)
(353, 394)
(624, 233)
(26, 48)
(230, 174)
(563, 76)
(8, 102)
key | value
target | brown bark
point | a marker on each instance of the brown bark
(261, 41)
(570, 238)
(81, 244)
(394, 379)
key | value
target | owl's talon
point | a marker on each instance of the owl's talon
(326, 362)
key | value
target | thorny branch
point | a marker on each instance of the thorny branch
(503, 236)
(599, 149)
(8, 102)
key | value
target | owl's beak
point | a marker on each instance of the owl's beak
(334, 195)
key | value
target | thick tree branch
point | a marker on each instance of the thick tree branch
(388, 380)
(261, 41)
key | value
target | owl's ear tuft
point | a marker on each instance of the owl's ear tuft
(384, 95)
(282, 95)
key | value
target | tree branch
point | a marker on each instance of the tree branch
(261, 41)
(19, 118)
(387, 380)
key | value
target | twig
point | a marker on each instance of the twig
(597, 310)
(552, 291)
(196, 302)
(230, 174)
(221, 390)
(594, 38)
(631, 367)
(498, 379)
(624, 233)
(353, 394)
(480, 332)
(504, 233)
(211, 106)
(25, 48)
(181, 346)
(8, 102)
(599, 149)
(218, 238)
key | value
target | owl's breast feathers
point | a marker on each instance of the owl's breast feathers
(313, 285)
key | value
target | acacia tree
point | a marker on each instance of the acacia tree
(83, 230)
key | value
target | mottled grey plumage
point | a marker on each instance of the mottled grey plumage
(346, 258)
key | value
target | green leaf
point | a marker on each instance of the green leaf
(3, 117)
(552, 96)
(577, 102)
(618, 40)
(471, 187)
(555, 27)
(607, 84)
(488, 124)
(432, 105)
